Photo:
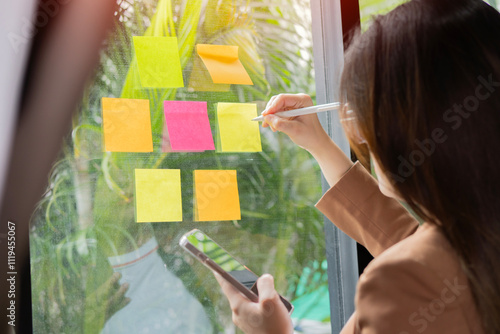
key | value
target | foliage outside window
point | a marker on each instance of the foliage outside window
(86, 217)
(369, 8)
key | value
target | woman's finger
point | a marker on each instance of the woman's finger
(283, 102)
(270, 102)
(106, 289)
(117, 301)
(113, 280)
(122, 291)
(124, 302)
(265, 285)
(281, 124)
(235, 298)
(119, 294)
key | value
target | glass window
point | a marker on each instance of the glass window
(85, 229)
(368, 8)
(494, 3)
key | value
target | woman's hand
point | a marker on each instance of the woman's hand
(108, 299)
(269, 315)
(306, 131)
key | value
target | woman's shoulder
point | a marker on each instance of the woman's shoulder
(415, 285)
(427, 248)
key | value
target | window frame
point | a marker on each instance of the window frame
(328, 50)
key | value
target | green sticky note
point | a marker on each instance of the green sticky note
(158, 61)
(235, 128)
(158, 195)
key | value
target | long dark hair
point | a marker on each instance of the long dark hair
(423, 83)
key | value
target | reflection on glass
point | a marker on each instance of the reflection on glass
(84, 231)
(153, 288)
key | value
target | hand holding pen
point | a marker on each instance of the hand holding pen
(282, 114)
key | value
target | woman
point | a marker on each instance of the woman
(422, 103)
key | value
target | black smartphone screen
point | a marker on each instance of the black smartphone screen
(210, 248)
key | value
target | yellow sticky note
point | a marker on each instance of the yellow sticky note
(158, 195)
(216, 195)
(126, 125)
(236, 130)
(158, 61)
(223, 63)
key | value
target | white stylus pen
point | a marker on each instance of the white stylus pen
(304, 111)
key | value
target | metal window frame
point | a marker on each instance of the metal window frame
(341, 252)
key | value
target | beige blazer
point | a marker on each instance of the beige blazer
(415, 284)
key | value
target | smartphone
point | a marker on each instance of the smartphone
(217, 259)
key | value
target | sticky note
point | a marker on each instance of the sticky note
(158, 61)
(200, 80)
(223, 63)
(188, 126)
(126, 125)
(216, 195)
(158, 195)
(236, 130)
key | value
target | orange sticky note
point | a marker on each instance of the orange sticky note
(216, 195)
(158, 195)
(200, 80)
(223, 63)
(126, 125)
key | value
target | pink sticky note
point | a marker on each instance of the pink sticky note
(188, 126)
